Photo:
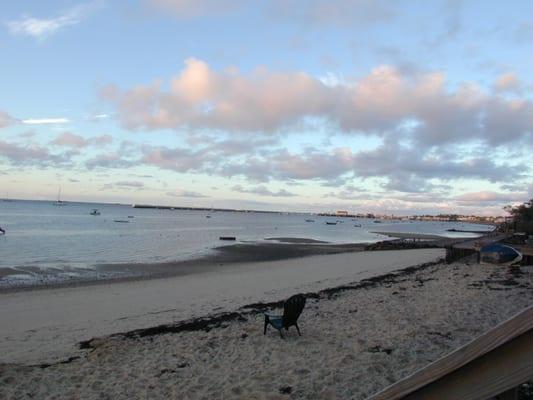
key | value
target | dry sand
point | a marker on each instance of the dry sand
(356, 340)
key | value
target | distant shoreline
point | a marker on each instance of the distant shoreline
(213, 209)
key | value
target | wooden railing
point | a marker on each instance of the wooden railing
(491, 365)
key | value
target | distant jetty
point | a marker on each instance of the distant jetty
(209, 209)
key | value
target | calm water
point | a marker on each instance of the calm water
(41, 235)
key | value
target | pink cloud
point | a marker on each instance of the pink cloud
(5, 119)
(507, 82)
(31, 154)
(69, 139)
(268, 102)
(489, 196)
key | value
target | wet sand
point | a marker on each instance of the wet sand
(230, 254)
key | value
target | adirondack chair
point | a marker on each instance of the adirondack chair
(291, 311)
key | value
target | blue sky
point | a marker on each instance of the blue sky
(386, 106)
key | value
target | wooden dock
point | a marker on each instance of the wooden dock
(493, 364)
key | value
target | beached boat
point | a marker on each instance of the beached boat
(497, 253)
(94, 211)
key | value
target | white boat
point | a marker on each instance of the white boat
(95, 211)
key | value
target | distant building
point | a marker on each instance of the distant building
(342, 213)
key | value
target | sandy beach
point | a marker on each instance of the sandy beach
(46, 325)
(175, 175)
(362, 329)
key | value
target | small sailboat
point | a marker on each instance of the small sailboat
(95, 211)
(7, 198)
(309, 220)
(59, 202)
(331, 223)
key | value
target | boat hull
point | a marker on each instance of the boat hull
(499, 254)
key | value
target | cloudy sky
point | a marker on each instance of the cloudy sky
(400, 106)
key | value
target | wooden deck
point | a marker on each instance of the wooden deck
(456, 251)
(477, 243)
(491, 365)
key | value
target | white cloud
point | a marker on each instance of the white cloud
(45, 121)
(123, 185)
(262, 191)
(41, 28)
(186, 193)
(97, 117)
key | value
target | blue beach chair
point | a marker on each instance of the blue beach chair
(291, 311)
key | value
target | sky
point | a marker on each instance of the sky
(392, 107)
